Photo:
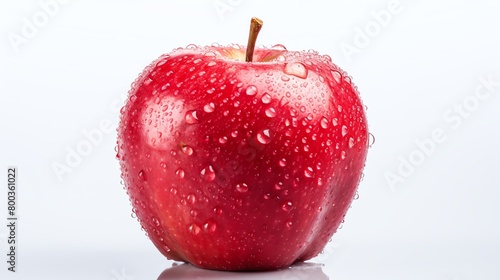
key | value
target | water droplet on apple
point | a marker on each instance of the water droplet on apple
(210, 226)
(208, 173)
(191, 117)
(251, 90)
(211, 63)
(351, 142)
(288, 223)
(282, 162)
(287, 206)
(270, 112)
(187, 150)
(164, 87)
(318, 166)
(142, 175)
(223, 140)
(209, 108)
(335, 121)
(339, 108)
(356, 196)
(191, 198)
(297, 69)
(234, 134)
(337, 76)
(242, 188)
(210, 90)
(327, 58)
(285, 78)
(264, 136)
(278, 47)
(371, 140)
(342, 155)
(196, 61)
(320, 182)
(280, 58)
(173, 191)
(210, 54)
(193, 213)
(217, 210)
(278, 186)
(344, 130)
(267, 196)
(321, 79)
(194, 229)
(324, 122)
(266, 98)
(166, 248)
(180, 173)
(309, 172)
(155, 221)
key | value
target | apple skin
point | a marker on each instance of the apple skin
(234, 165)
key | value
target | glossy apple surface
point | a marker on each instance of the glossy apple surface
(235, 165)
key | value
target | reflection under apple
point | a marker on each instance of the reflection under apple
(298, 271)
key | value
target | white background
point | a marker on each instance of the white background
(440, 221)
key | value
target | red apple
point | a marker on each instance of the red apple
(242, 164)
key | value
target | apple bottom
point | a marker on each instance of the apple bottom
(243, 250)
(243, 232)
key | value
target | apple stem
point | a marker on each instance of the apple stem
(255, 26)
